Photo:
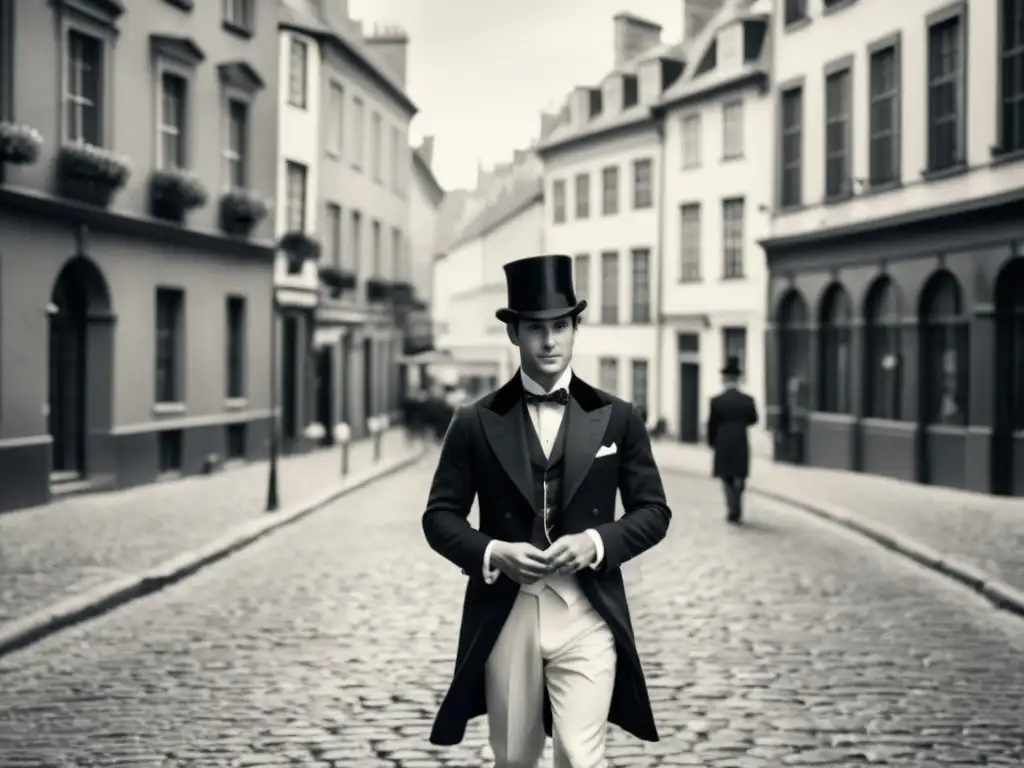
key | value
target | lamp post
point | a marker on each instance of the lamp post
(298, 248)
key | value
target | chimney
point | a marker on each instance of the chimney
(390, 44)
(697, 14)
(633, 36)
(426, 151)
(548, 122)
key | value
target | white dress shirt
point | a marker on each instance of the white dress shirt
(547, 420)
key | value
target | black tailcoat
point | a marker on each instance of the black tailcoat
(485, 455)
(732, 412)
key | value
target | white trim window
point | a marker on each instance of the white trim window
(84, 89)
(236, 149)
(173, 99)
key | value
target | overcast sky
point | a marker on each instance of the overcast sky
(480, 71)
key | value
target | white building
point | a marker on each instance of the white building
(718, 182)
(602, 183)
(895, 266)
(345, 178)
(506, 223)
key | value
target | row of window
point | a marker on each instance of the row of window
(732, 135)
(170, 346)
(346, 126)
(335, 252)
(643, 191)
(170, 447)
(690, 240)
(610, 268)
(608, 380)
(946, 117)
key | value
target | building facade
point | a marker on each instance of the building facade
(603, 187)
(135, 260)
(896, 275)
(346, 177)
(507, 223)
(714, 210)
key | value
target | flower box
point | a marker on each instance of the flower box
(241, 211)
(338, 280)
(19, 144)
(402, 293)
(90, 174)
(299, 248)
(378, 289)
(173, 192)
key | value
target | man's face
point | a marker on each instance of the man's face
(545, 346)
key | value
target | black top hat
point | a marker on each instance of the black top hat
(732, 367)
(540, 288)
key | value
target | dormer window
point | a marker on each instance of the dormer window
(709, 61)
(630, 91)
(594, 102)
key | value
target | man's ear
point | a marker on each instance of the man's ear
(513, 333)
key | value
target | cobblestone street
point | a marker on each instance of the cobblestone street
(788, 641)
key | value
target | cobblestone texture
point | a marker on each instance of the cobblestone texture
(788, 642)
(984, 531)
(74, 544)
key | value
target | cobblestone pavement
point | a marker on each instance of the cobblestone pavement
(787, 642)
(72, 545)
(984, 531)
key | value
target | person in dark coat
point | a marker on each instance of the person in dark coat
(546, 644)
(732, 413)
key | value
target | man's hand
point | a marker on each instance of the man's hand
(520, 561)
(571, 553)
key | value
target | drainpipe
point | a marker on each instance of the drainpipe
(659, 271)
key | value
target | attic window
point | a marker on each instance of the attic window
(710, 59)
(594, 102)
(630, 91)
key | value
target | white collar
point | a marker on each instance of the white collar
(534, 388)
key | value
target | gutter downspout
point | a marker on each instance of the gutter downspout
(659, 271)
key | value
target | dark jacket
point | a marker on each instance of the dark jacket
(485, 456)
(732, 412)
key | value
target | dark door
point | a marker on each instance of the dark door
(67, 376)
(689, 402)
(368, 379)
(1008, 434)
(324, 392)
(290, 377)
(344, 380)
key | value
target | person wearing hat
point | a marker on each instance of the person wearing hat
(732, 413)
(546, 644)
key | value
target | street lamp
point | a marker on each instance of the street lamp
(298, 248)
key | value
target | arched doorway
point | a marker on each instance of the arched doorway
(79, 365)
(794, 338)
(834, 363)
(883, 351)
(1008, 434)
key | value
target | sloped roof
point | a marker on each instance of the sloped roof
(522, 193)
(425, 172)
(319, 21)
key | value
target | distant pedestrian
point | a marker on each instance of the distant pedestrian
(732, 413)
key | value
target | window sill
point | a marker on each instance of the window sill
(732, 278)
(882, 188)
(828, 10)
(732, 158)
(296, 105)
(944, 173)
(238, 31)
(1000, 157)
(785, 209)
(837, 199)
(796, 24)
(691, 280)
(236, 403)
(643, 207)
(168, 409)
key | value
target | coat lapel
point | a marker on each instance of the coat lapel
(585, 430)
(504, 428)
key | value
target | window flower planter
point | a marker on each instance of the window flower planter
(300, 248)
(19, 144)
(402, 293)
(90, 174)
(241, 211)
(174, 192)
(378, 289)
(337, 280)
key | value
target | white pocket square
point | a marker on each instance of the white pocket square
(606, 450)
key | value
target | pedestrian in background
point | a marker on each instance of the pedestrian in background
(732, 413)
(546, 643)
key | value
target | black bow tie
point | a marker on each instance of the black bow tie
(560, 396)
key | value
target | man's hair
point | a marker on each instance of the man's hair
(575, 322)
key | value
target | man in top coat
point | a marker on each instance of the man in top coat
(732, 413)
(546, 645)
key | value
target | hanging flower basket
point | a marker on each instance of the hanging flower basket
(240, 211)
(402, 293)
(378, 289)
(300, 248)
(90, 174)
(338, 280)
(173, 192)
(19, 144)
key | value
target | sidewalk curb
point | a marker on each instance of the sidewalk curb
(74, 610)
(999, 593)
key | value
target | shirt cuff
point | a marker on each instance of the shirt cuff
(490, 576)
(599, 544)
